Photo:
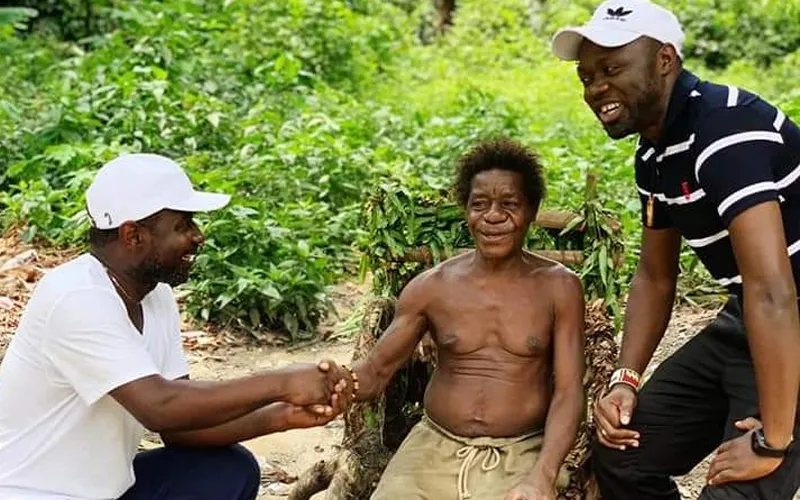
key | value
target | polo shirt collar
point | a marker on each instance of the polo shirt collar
(683, 88)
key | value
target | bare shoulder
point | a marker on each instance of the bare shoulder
(430, 282)
(417, 292)
(560, 280)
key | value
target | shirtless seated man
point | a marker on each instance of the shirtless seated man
(503, 407)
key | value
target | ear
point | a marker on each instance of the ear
(667, 59)
(130, 234)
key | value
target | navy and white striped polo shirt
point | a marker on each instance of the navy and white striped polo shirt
(722, 151)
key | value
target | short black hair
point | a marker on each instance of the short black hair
(503, 154)
(99, 238)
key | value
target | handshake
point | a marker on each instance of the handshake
(316, 394)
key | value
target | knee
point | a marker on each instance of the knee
(239, 459)
(236, 465)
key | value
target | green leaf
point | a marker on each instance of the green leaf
(255, 316)
(213, 119)
(270, 291)
(602, 261)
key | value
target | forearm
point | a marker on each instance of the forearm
(263, 421)
(774, 339)
(372, 379)
(192, 405)
(646, 318)
(561, 430)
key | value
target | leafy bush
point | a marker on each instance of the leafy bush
(258, 99)
(718, 32)
(305, 109)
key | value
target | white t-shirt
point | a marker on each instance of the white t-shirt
(62, 437)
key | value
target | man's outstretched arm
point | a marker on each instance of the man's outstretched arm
(567, 404)
(397, 344)
(182, 405)
(276, 417)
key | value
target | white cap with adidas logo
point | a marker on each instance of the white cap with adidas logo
(619, 22)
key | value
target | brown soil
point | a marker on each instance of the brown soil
(221, 355)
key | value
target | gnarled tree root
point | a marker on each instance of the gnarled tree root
(337, 476)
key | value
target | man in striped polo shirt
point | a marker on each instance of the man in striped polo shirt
(718, 167)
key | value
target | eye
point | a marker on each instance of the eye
(611, 70)
(510, 204)
(478, 204)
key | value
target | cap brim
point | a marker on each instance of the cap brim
(567, 41)
(201, 202)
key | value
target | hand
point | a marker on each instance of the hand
(736, 461)
(613, 412)
(337, 376)
(528, 489)
(307, 384)
(303, 417)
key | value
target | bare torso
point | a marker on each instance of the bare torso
(493, 334)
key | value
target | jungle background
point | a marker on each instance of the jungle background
(335, 124)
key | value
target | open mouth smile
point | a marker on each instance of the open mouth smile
(609, 112)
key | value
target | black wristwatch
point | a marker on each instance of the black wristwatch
(761, 448)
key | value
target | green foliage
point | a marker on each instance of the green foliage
(402, 219)
(16, 17)
(718, 32)
(304, 110)
(411, 227)
(764, 30)
(258, 99)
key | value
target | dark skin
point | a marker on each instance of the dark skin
(205, 413)
(504, 322)
(641, 77)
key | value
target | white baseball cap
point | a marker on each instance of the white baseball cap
(133, 187)
(619, 22)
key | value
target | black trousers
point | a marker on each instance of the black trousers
(175, 473)
(685, 411)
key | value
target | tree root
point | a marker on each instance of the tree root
(337, 476)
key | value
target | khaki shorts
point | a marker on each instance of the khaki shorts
(434, 464)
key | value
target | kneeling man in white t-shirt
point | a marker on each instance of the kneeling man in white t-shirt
(97, 358)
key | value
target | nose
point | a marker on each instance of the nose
(198, 238)
(594, 90)
(494, 215)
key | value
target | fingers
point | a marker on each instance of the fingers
(720, 471)
(335, 376)
(608, 412)
(625, 412)
(717, 465)
(320, 411)
(748, 424)
(610, 435)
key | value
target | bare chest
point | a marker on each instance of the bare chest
(510, 320)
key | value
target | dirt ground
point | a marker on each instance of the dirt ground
(215, 356)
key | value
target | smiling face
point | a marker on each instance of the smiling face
(174, 241)
(498, 214)
(623, 86)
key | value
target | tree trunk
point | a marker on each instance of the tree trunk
(445, 8)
